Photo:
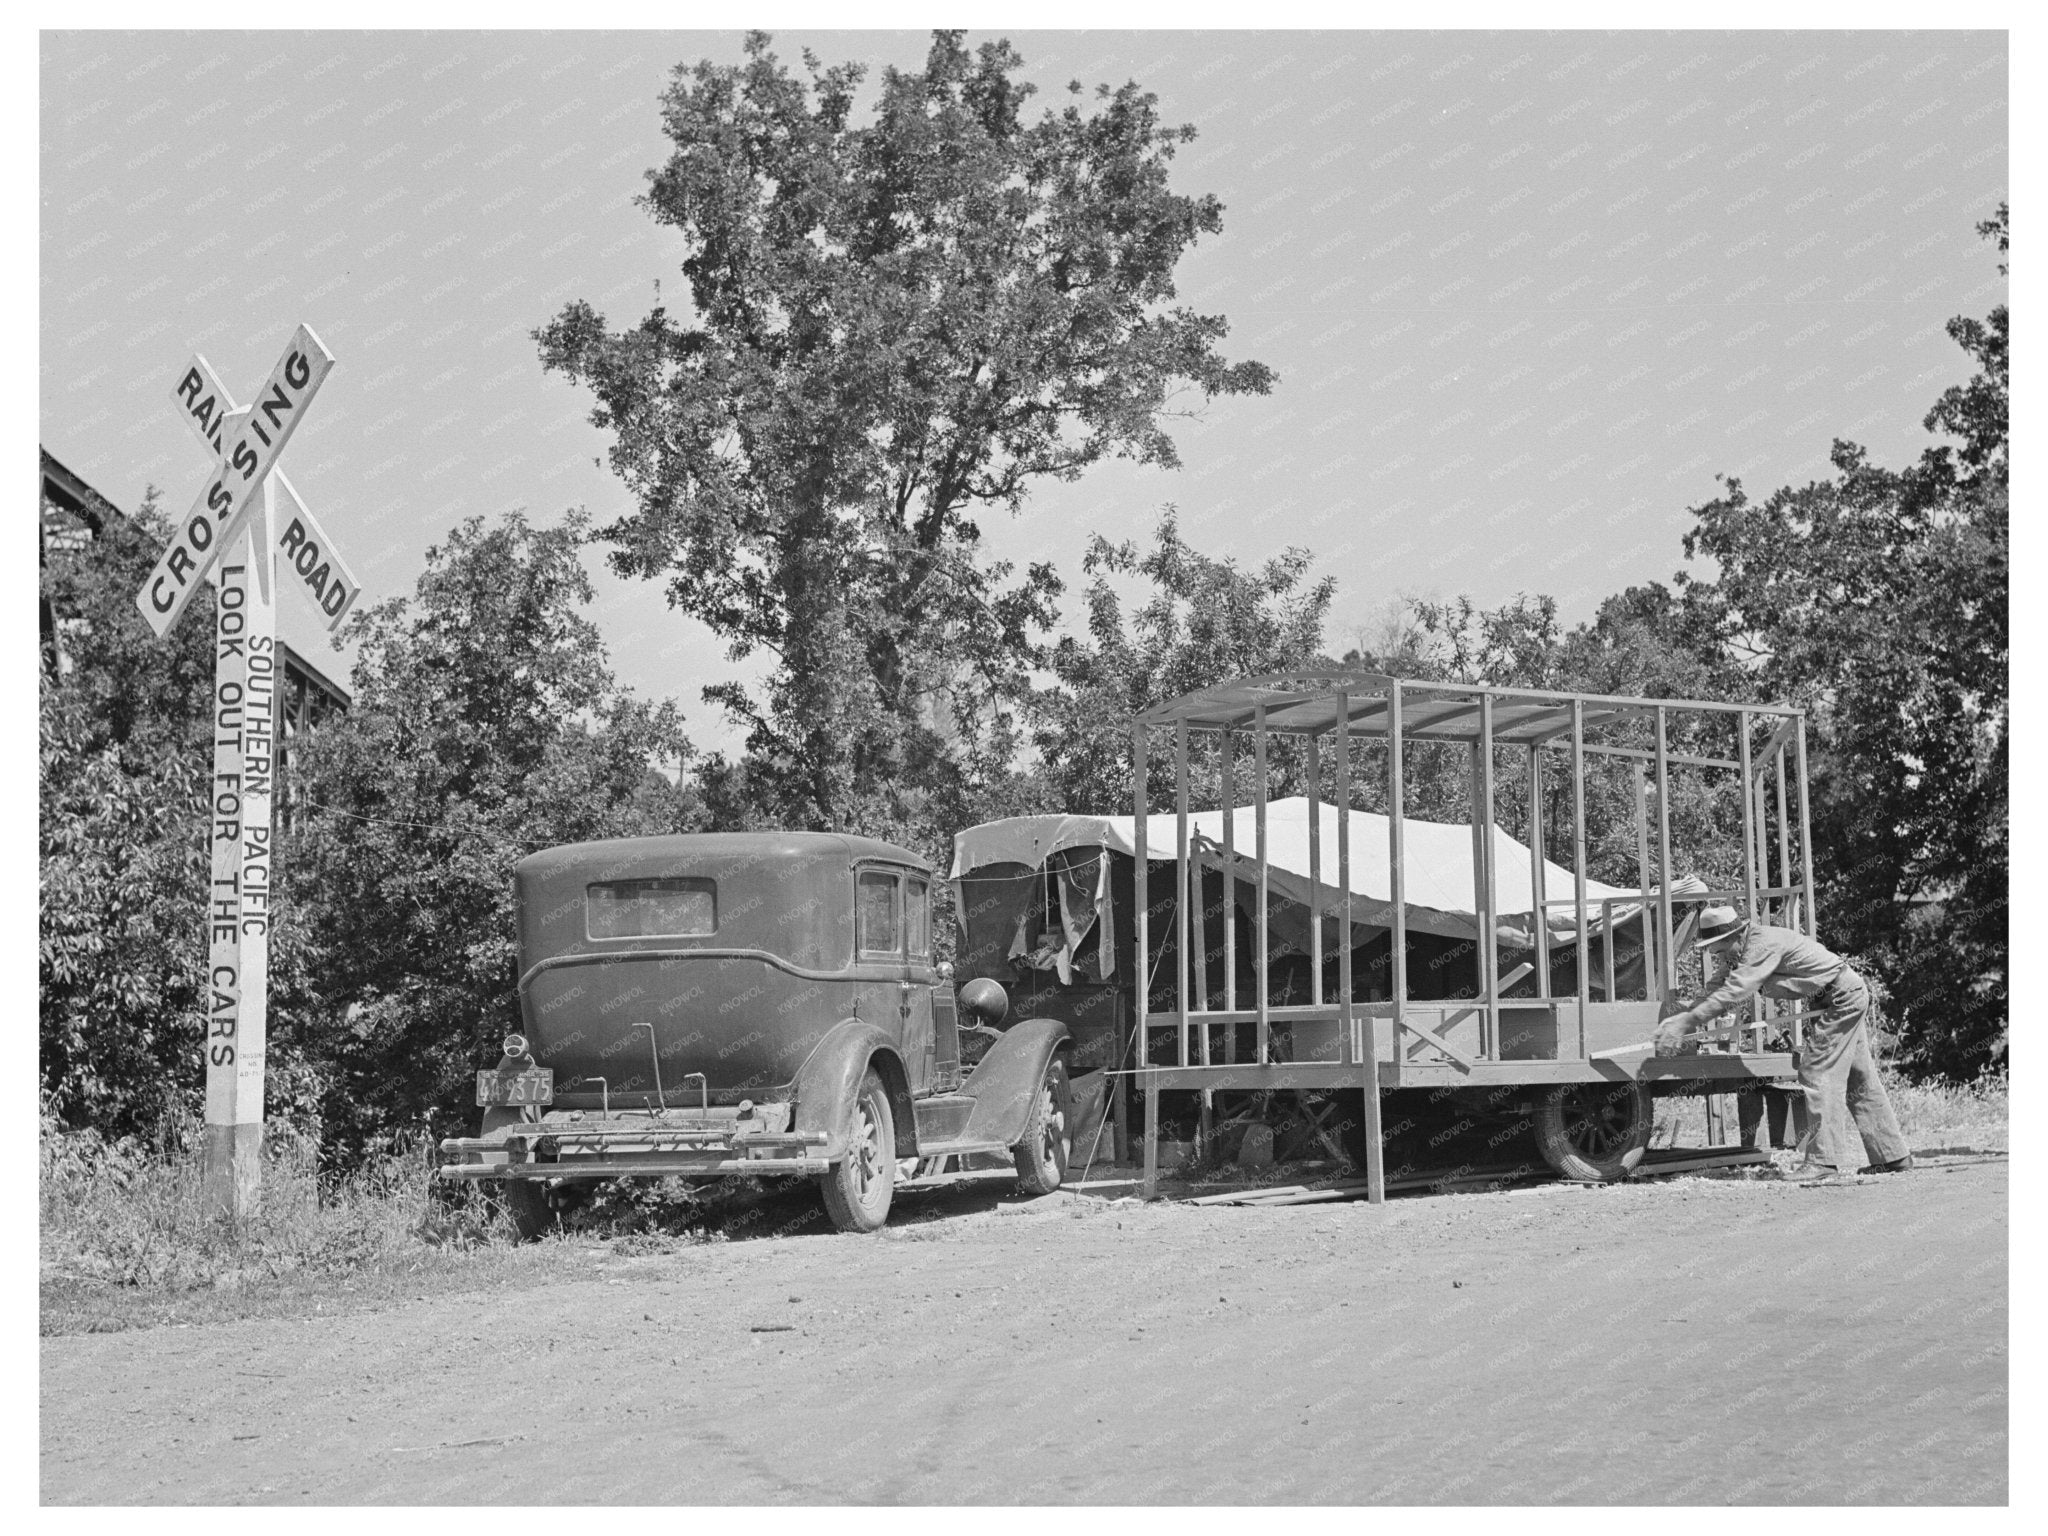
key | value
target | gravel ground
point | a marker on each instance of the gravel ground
(1702, 1340)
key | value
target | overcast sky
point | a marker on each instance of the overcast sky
(1527, 294)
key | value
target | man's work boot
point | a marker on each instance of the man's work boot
(1815, 1174)
(1896, 1165)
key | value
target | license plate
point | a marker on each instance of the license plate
(533, 1086)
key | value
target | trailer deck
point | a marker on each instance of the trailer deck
(1727, 1072)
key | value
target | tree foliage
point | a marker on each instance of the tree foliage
(897, 321)
(124, 747)
(1877, 598)
(1874, 598)
(1204, 620)
(124, 874)
(485, 725)
(1640, 642)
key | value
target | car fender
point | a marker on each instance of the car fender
(1005, 1084)
(831, 1075)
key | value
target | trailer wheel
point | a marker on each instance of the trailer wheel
(1594, 1133)
(1048, 1144)
(859, 1186)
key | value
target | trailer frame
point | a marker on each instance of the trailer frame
(1334, 711)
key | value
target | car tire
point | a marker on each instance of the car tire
(1594, 1133)
(1048, 1145)
(526, 1204)
(860, 1185)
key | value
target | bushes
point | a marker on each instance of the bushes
(1937, 1115)
(128, 1240)
(128, 1213)
(123, 895)
(485, 725)
(1950, 1116)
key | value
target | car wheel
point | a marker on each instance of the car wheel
(858, 1188)
(526, 1203)
(1043, 1154)
(1594, 1133)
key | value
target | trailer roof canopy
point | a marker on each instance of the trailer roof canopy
(1441, 892)
(1311, 703)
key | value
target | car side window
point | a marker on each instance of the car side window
(880, 927)
(917, 917)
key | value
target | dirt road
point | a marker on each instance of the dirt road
(1699, 1341)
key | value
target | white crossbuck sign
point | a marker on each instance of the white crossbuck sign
(235, 535)
(302, 544)
(219, 516)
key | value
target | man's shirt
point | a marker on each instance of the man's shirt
(1774, 961)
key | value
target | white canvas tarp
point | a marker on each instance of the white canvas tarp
(1436, 864)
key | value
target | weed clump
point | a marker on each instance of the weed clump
(1936, 1116)
(128, 1214)
(1940, 1116)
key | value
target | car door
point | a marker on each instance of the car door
(879, 951)
(919, 977)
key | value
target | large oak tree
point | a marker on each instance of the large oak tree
(898, 320)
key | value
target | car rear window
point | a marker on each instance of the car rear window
(672, 907)
(879, 932)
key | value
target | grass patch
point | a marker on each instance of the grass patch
(1954, 1117)
(1937, 1117)
(128, 1241)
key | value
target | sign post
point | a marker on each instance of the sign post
(235, 530)
(238, 909)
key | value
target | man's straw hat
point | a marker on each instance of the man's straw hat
(1719, 923)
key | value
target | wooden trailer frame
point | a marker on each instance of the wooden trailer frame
(1332, 711)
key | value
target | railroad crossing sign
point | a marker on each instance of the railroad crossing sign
(219, 516)
(235, 534)
(308, 553)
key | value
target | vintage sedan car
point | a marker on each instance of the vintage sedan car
(762, 1004)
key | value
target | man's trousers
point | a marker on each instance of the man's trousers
(1839, 1073)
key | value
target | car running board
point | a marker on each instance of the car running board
(957, 1148)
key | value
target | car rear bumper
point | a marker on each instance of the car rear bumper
(538, 1152)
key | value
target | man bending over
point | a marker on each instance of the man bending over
(1836, 1067)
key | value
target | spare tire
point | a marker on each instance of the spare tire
(1594, 1133)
